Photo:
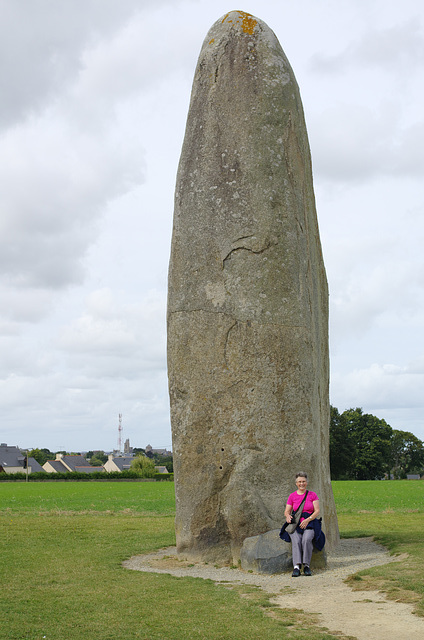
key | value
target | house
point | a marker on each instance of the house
(123, 463)
(66, 464)
(160, 452)
(12, 460)
(118, 463)
(54, 466)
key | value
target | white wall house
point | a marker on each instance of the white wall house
(12, 460)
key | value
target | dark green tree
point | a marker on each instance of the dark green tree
(41, 455)
(340, 447)
(96, 462)
(364, 447)
(407, 454)
(144, 466)
(97, 458)
(370, 438)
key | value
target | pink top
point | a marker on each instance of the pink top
(295, 499)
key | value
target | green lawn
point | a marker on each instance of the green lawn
(63, 544)
(141, 498)
(382, 497)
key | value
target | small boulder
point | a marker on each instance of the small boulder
(266, 553)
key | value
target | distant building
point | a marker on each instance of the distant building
(127, 449)
(12, 460)
(118, 463)
(161, 470)
(66, 464)
(160, 452)
(123, 463)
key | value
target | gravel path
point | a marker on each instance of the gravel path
(363, 615)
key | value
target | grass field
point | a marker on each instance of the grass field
(63, 544)
(394, 496)
(140, 498)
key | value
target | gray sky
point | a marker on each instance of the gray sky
(94, 101)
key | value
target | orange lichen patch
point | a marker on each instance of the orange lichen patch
(212, 41)
(248, 22)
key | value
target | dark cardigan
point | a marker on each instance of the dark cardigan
(319, 536)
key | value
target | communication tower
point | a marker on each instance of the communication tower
(120, 434)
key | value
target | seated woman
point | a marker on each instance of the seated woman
(303, 536)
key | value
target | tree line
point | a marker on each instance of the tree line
(364, 447)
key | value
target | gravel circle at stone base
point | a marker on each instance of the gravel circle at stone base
(365, 616)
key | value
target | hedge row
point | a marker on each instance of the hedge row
(43, 476)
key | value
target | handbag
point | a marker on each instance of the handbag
(290, 527)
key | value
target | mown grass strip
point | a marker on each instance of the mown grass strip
(112, 497)
(390, 496)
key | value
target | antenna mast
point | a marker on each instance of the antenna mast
(120, 434)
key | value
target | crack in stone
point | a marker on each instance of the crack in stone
(198, 310)
(235, 323)
(249, 249)
(223, 392)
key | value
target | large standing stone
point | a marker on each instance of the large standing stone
(247, 300)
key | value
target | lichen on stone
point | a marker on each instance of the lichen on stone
(247, 21)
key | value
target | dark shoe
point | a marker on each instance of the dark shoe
(306, 570)
(296, 573)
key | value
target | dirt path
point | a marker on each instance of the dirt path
(363, 615)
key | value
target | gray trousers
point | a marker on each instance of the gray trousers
(302, 546)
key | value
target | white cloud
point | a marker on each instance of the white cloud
(368, 118)
(383, 389)
(42, 45)
(354, 143)
(397, 48)
(110, 359)
(113, 339)
(364, 292)
(126, 65)
(93, 110)
(408, 152)
(56, 181)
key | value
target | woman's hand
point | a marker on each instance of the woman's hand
(288, 518)
(313, 515)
